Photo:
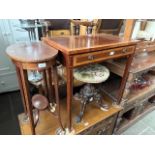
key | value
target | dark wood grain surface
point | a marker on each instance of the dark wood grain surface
(31, 52)
(86, 43)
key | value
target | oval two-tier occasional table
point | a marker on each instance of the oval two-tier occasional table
(34, 56)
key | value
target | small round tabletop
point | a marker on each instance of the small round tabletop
(31, 52)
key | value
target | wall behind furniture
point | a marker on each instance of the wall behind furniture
(147, 33)
(10, 33)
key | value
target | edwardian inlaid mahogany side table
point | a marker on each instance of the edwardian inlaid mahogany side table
(77, 51)
(35, 56)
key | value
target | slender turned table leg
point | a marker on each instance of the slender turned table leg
(69, 95)
(125, 77)
(27, 99)
(21, 89)
(49, 85)
(57, 96)
(45, 83)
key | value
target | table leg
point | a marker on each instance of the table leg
(27, 99)
(45, 83)
(49, 85)
(21, 89)
(57, 96)
(69, 96)
(125, 77)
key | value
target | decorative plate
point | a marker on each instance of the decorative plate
(94, 73)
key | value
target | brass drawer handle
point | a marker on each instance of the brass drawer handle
(90, 57)
(124, 50)
(112, 53)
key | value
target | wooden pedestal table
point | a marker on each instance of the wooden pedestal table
(35, 56)
(77, 51)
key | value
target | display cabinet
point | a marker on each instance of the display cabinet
(140, 85)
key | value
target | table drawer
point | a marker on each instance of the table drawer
(101, 55)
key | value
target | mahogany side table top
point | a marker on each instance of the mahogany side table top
(36, 56)
(31, 52)
(70, 45)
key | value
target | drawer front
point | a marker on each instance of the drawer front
(101, 55)
(103, 127)
(148, 46)
(35, 66)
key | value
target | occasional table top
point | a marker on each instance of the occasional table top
(86, 43)
(31, 52)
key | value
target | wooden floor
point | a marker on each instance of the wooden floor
(10, 107)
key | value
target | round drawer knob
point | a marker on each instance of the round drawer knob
(90, 57)
(124, 50)
(112, 53)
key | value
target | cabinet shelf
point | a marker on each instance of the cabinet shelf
(143, 94)
(118, 66)
(48, 124)
(111, 87)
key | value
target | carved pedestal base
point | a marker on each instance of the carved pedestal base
(86, 95)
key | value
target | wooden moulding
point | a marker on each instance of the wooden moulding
(48, 123)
